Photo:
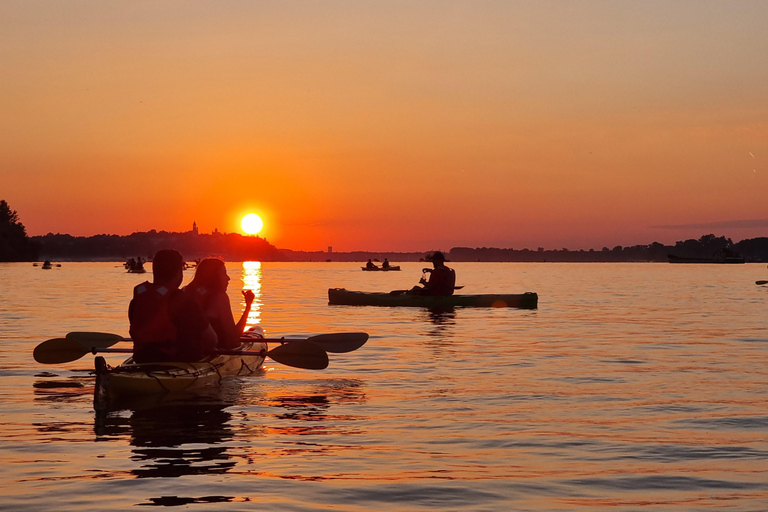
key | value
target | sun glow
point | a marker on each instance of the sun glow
(251, 224)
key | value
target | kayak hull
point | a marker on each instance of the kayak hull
(381, 269)
(343, 297)
(131, 379)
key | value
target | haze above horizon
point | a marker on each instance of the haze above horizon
(404, 126)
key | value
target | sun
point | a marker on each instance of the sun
(251, 224)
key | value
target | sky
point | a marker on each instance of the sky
(388, 125)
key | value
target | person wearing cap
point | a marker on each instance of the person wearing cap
(441, 278)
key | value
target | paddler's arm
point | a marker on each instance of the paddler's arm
(248, 295)
(229, 331)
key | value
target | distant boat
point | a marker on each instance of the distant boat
(381, 269)
(724, 256)
(135, 266)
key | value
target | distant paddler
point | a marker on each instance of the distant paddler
(441, 278)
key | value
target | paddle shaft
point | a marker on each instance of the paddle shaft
(263, 353)
(396, 292)
(335, 342)
(266, 340)
(299, 354)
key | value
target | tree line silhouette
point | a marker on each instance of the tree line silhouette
(15, 245)
(708, 246)
(231, 246)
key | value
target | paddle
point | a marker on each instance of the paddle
(59, 350)
(95, 339)
(400, 292)
(337, 342)
(299, 353)
(761, 282)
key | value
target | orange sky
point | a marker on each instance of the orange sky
(388, 125)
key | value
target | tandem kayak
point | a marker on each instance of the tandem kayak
(131, 379)
(344, 297)
(381, 269)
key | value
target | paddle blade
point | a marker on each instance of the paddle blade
(300, 354)
(340, 342)
(95, 339)
(59, 350)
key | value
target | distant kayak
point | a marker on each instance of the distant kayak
(344, 297)
(720, 258)
(381, 269)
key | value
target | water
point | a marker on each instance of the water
(632, 387)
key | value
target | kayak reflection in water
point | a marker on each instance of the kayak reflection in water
(441, 280)
(209, 287)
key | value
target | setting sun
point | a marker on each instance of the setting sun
(251, 224)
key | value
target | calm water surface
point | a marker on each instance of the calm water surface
(631, 387)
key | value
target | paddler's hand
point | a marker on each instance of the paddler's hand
(249, 296)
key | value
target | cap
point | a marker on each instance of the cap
(436, 256)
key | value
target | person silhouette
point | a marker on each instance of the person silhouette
(209, 288)
(441, 279)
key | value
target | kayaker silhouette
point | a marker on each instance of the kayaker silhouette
(209, 288)
(441, 279)
(166, 323)
(370, 264)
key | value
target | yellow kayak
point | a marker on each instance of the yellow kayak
(132, 379)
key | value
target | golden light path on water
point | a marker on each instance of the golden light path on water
(251, 279)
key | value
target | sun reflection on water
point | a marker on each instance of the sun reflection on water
(251, 276)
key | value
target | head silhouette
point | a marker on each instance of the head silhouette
(437, 258)
(209, 275)
(166, 267)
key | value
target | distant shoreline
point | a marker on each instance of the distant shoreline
(236, 247)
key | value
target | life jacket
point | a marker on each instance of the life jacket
(154, 335)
